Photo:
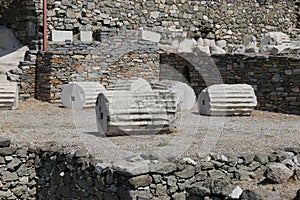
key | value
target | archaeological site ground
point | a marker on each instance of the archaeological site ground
(150, 99)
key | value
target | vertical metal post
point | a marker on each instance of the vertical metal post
(45, 25)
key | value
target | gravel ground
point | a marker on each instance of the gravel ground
(39, 122)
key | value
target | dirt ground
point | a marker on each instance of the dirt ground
(38, 122)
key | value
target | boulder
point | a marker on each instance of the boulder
(278, 173)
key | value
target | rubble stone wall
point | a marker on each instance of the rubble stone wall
(52, 172)
(233, 21)
(230, 20)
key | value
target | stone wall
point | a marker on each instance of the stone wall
(230, 20)
(233, 21)
(101, 62)
(49, 171)
(274, 78)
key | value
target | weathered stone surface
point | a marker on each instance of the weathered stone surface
(140, 181)
(4, 142)
(14, 164)
(236, 193)
(9, 176)
(163, 168)
(131, 168)
(199, 190)
(227, 99)
(187, 172)
(151, 36)
(278, 173)
(258, 195)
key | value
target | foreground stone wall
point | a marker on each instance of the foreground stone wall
(49, 171)
(274, 78)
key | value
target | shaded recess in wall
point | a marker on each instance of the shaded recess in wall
(174, 67)
(21, 17)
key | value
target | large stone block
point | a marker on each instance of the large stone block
(86, 36)
(125, 113)
(62, 36)
(226, 99)
(151, 36)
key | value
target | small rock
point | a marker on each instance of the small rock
(236, 193)
(188, 172)
(178, 196)
(140, 181)
(198, 189)
(261, 158)
(189, 161)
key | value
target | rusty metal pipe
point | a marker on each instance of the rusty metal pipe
(45, 44)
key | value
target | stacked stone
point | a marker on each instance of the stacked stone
(212, 19)
(127, 113)
(49, 171)
(77, 62)
(215, 176)
(18, 174)
(25, 75)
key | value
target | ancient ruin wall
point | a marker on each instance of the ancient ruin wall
(230, 20)
(51, 172)
(233, 21)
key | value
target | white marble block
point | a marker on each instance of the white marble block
(227, 99)
(62, 36)
(124, 113)
(79, 95)
(185, 94)
(9, 95)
